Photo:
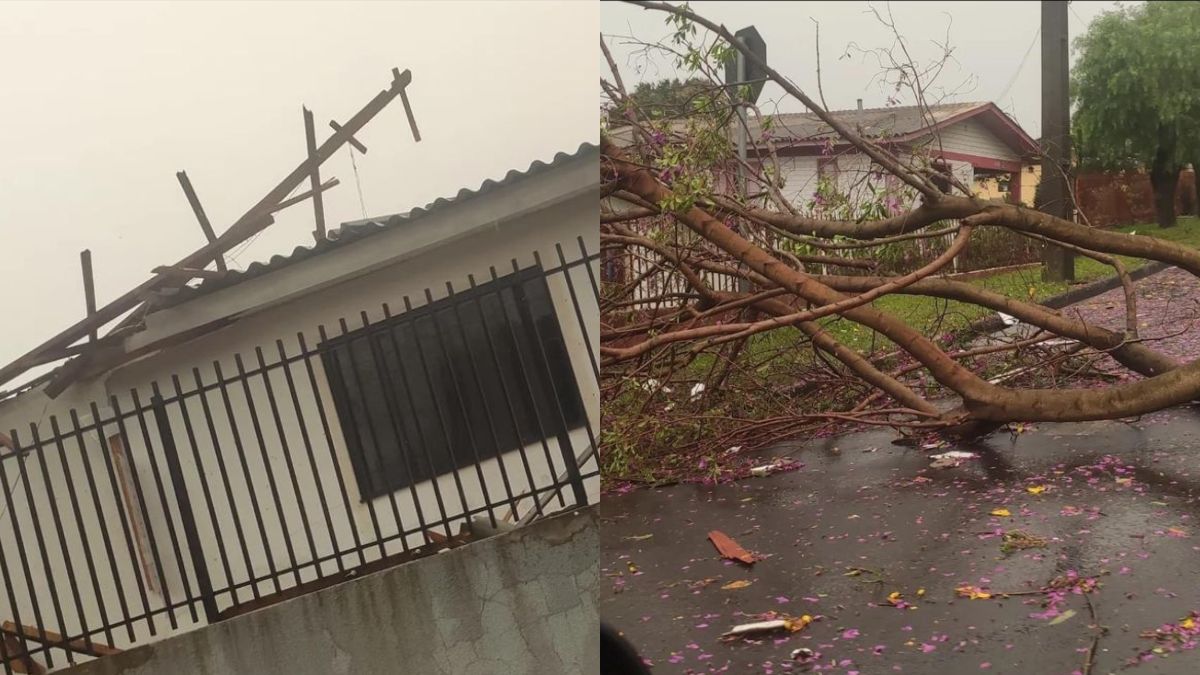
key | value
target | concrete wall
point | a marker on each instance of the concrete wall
(523, 602)
(471, 240)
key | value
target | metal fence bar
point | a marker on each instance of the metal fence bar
(162, 500)
(508, 399)
(125, 526)
(233, 510)
(20, 546)
(203, 475)
(498, 451)
(462, 404)
(390, 395)
(341, 480)
(392, 421)
(40, 539)
(83, 537)
(458, 484)
(287, 460)
(509, 371)
(241, 452)
(352, 428)
(266, 460)
(104, 534)
(188, 518)
(312, 462)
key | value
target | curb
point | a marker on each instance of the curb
(1078, 294)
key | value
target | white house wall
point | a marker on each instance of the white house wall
(971, 137)
(473, 252)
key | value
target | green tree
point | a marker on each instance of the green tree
(1136, 88)
(664, 99)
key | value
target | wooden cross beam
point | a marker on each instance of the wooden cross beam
(362, 149)
(253, 221)
(197, 209)
(52, 639)
(188, 273)
(332, 182)
(314, 176)
(89, 288)
(398, 77)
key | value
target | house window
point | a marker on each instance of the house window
(414, 393)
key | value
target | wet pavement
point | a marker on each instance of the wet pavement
(1109, 500)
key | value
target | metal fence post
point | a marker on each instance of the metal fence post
(203, 582)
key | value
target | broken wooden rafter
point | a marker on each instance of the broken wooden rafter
(188, 273)
(89, 288)
(52, 639)
(17, 656)
(314, 173)
(412, 121)
(250, 223)
(197, 209)
(362, 149)
(112, 337)
(332, 182)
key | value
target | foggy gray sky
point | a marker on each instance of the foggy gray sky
(102, 103)
(990, 41)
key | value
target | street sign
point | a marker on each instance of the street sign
(752, 73)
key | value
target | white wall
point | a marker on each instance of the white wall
(971, 137)
(417, 265)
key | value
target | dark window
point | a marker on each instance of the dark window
(440, 387)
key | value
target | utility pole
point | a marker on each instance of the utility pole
(1058, 264)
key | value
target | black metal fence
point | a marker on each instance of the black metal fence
(321, 456)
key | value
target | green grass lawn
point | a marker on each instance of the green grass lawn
(934, 316)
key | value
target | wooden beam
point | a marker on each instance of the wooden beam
(14, 652)
(362, 149)
(89, 288)
(50, 638)
(256, 219)
(187, 273)
(332, 182)
(412, 121)
(314, 176)
(197, 209)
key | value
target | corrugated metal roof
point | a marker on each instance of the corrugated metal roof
(872, 122)
(361, 229)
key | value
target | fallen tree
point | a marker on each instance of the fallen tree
(721, 268)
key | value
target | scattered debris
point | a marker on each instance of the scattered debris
(949, 460)
(1171, 637)
(803, 654)
(972, 593)
(1062, 617)
(785, 623)
(766, 469)
(1016, 540)
(735, 585)
(1001, 512)
(730, 549)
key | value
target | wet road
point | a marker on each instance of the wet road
(1109, 500)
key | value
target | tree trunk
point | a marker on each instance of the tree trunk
(1164, 177)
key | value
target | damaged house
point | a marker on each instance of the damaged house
(401, 385)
